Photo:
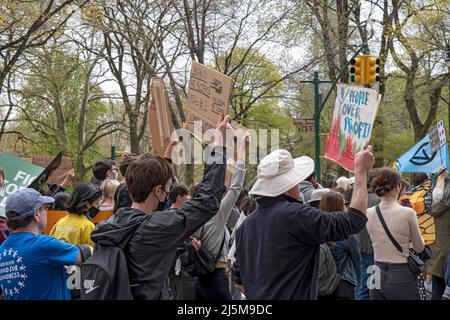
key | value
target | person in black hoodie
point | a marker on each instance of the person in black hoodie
(152, 236)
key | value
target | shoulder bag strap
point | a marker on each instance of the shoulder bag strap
(383, 223)
(221, 245)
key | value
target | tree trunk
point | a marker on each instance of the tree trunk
(134, 137)
(343, 21)
(80, 169)
(378, 133)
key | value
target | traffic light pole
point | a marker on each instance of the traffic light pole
(317, 110)
(318, 105)
(113, 153)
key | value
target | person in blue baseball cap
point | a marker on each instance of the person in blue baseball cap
(25, 205)
(31, 263)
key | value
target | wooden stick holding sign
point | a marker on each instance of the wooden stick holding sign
(442, 137)
(160, 117)
(208, 98)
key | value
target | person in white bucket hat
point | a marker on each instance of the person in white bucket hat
(277, 247)
(278, 173)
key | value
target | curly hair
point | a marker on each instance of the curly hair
(385, 181)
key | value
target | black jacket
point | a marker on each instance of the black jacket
(277, 247)
(152, 247)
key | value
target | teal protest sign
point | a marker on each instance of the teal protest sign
(18, 174)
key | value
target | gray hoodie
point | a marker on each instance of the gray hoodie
(213, 232)
(306, 188)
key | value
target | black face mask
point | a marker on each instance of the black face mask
(162, 205)
(93, 211)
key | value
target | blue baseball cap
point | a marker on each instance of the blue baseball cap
(24, 203)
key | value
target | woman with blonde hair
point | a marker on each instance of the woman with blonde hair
(108, 188)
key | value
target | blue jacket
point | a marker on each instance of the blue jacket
(348, 259)
(277, 247)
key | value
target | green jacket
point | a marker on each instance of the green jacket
(441, 247)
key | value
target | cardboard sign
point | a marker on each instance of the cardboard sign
(160, 116)
(202, 131)
(354, 114)
(41, 181)
(18, 175)
(208, 96)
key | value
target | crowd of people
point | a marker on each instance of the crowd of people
(286, 238)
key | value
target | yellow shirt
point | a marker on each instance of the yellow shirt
(75, 229)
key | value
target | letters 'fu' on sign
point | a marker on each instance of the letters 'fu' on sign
(160, 116)
(208, 96)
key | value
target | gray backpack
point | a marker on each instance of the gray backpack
(328, 275)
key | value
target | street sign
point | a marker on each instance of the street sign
(18, 175)
(306, 125)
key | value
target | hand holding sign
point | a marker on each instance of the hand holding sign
(68, 178)
(169, 149)
(221, 130)
(364, 160)
(442, 173)
(243, 146)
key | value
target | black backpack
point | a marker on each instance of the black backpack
(104, 275)
(201, 262)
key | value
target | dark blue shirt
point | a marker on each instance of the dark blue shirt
(278, 246)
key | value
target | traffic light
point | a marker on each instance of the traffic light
(356, 70)
(372, 69)
(364, 69)
(120, 154)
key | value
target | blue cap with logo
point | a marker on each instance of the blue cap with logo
(24, 203)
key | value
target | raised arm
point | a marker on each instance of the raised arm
(205, 203)
(236, 184)
(314, 226)
(364, 161)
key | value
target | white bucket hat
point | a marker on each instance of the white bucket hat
(278, 173)
(317, 195)
(351, 181)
